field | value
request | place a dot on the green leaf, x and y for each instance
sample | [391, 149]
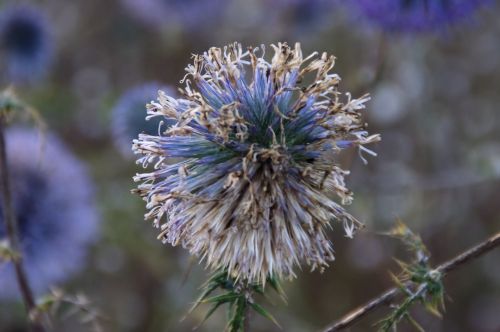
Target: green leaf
[222, 298]
[209, 313]
[237, 321]
[7, 253]
[414, 323]
[277, 287]
[258, 289]
[432, 308]
[203, 296]
[216, 278]
[45, 302]
[259, 309]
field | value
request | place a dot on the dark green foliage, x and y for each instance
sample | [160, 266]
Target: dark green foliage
[239, 297]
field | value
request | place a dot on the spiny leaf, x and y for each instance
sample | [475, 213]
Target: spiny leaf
[203, 296]
[259, 309]
[398, 282]
[277, 287]
[216, 278]
[209, 313]
[414, 323]
[258, 289]
[432, 308]
[418, 281]
[403, 265]
[45, 302]
[9, 101]
[410, 239]
[222, 298]
[237, 321]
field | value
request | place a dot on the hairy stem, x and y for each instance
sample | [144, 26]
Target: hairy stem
[389, 295]
[11, 229]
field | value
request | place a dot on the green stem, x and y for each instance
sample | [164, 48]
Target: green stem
[246, 322]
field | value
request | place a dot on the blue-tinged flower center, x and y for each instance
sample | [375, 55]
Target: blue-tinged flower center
[22, 36]
[33, 216]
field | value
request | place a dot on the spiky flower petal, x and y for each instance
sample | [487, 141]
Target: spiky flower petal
[255, 143]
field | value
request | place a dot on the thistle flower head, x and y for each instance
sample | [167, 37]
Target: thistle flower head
[128, 115]
[417, 15]
[56, 217]
[256, 139]
[25, 43]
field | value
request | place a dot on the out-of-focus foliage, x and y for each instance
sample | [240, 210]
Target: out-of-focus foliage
[434, 100]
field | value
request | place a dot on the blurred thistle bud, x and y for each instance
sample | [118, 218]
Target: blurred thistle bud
[57, 220]
[128, 116]
[25, 43]
[258, 141]
[417, 15]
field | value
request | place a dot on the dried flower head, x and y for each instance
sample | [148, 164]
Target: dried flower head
[25, 43]
[56, 215]
[128, 115]
[253, 191]
[417, 15]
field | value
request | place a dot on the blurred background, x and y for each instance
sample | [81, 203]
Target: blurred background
[435, 101]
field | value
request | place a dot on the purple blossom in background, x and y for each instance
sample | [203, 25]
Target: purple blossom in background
[128, 115]
[189, 14]
[25, 43]
[417, 15]
[57, 220]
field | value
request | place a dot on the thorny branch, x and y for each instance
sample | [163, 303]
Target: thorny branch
[389, 295]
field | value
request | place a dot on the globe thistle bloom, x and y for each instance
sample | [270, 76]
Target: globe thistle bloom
[417, 15]
[25, 43]
[253, 190]
[52, 198]
[128, 115]
[189, 14]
